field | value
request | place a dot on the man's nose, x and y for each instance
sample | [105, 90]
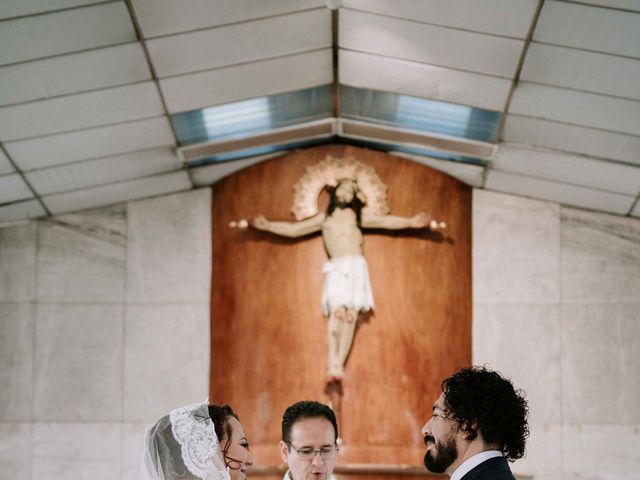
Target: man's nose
[426, 428]
[317, 458]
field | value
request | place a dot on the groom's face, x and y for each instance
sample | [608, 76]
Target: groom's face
[440, 438]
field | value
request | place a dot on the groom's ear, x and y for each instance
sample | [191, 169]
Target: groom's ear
[470, 430]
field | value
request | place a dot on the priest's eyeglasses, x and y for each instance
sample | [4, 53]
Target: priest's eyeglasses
[309, 453]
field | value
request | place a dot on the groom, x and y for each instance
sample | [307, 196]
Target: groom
[477, 424]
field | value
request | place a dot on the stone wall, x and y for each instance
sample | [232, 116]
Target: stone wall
[104, 326]
[557, 309]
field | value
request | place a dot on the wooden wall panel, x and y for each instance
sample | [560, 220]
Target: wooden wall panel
[268, 332]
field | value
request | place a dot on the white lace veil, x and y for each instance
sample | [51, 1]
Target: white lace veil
[183, 446]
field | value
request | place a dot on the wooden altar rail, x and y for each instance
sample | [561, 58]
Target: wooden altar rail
[353, 468]
[365, 469]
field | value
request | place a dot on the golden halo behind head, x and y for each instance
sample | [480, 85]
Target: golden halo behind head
[327, 173]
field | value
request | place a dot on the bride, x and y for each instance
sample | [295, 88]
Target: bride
[198, 441]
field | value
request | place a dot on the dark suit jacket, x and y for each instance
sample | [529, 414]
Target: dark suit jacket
[496, 468]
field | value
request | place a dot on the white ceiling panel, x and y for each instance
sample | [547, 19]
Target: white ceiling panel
[559, 192]
[210, 174]
[5, 165]
[67, 31]
[581, 70]
[21, 211]
[101, 171]
[251, 80]
[73, 73]
[510, 18]
[566, 168]
[424, 43]
[91, 143]
[19, 8]
[559, 136]
[164, 17]
[622, 4]
[12, 188]
[84, 121]
[469, 174]
[83, 110]
[241, 43]
[636, 210]
[589, 28]
[420, 80]
[118, 192]
[578, 108]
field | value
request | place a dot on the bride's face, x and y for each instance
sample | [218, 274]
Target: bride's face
[238, 457]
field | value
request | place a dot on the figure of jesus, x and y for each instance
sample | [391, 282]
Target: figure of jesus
[347, 289]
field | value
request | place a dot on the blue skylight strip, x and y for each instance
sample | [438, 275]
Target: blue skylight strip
[420, 114]
[256, 115]
[390, 147]
[255, 151]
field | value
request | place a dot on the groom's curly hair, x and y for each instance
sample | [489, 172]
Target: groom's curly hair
[481, 400]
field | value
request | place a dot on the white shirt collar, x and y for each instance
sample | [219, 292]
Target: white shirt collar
[472, 462]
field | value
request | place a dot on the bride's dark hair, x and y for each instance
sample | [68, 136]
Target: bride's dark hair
[220, 416]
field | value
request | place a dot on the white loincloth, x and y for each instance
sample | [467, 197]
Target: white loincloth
[346, 284]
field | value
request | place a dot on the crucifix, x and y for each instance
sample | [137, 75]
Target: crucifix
[358, 201]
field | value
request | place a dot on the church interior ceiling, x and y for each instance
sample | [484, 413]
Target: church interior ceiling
[107, 101]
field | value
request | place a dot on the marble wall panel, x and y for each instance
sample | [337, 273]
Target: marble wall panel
[78, 362]
[600, 259]
[600, 364]
[132, 448]
[523, 343]
[600, 452]
[515, 249]
[15, 450]
[16, 360]
[79, 451]
[169, 249]
[81, 256]
[18, 263]
[166, 358]
[543, 456]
